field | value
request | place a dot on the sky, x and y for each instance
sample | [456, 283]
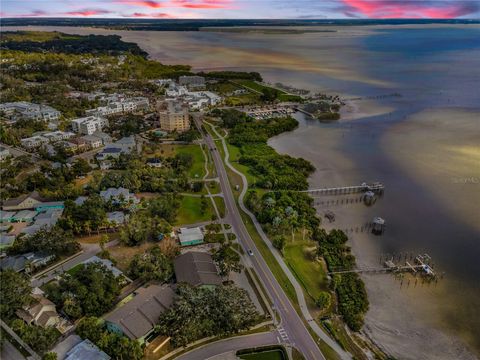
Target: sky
[243, 9]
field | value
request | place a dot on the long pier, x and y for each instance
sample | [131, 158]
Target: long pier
[375, 187]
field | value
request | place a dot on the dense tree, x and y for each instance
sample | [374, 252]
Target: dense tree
[201, 312]
[38, 338]
[93, 290]
[227, 259]
[117, 346]
[15, 292]
[137, 229]
[279, 242]
[152, 265]
[54, 241]
[324, 300]
[50, 356]
[350, 289]
[89, 216]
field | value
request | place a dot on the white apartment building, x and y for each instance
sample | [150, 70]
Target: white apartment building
[34, 142]
[88, 125]
[173, 116]
[58, 135]
[30, 111]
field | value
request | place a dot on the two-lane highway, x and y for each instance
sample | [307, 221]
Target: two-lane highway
[292, 328]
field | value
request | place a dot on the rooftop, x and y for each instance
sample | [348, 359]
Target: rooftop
[196, 268]
[137, 317]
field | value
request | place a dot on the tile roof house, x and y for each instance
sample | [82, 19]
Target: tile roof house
[136, 319]
[41, 312]
[197, 269]
[86, 350]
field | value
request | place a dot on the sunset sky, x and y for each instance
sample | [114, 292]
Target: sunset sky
[245, 9]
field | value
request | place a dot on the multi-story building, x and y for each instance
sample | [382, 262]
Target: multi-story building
[30, 111]
[173, 116]
[34, 142]
[88, 125]
[58, 135]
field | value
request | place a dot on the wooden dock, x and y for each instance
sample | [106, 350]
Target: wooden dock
[376, 187]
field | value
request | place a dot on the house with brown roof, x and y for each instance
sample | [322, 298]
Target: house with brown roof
[197, 269]
[23, 202]
[136, 318]
[41, 312]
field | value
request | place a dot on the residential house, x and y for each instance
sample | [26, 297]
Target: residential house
[105, 262]
[40, 312]
[28, 201]
[106, 139]
[190, 236]
[25, 262]
[6, 216]
[24, 216]
[136, 318]
[6, 240]
[118, 196]
[116, 217]
[86, 350]
[197, 269]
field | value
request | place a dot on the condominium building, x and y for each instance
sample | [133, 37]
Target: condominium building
[88, 125]
[173, 116]
[30, 111]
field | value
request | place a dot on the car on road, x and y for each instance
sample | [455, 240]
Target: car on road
[250, 252]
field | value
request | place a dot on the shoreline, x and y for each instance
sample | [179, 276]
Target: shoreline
[417, 335]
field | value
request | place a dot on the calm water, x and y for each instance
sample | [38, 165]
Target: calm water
[424, 146]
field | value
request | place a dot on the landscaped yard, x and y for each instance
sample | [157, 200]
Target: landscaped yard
[190, 211]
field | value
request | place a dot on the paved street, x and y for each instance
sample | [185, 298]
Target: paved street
[296, 332]
[231, 344]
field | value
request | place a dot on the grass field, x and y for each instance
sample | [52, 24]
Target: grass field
[309, 273]
[124, 254]
[190, 211]
[198, 168]
[169, 150]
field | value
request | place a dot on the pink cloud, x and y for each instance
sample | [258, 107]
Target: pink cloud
[383, 9]
[143, 3]
[87, 12]
[34, 13]
[202, 4]
[150, 15]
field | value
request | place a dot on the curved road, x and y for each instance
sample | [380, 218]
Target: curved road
[232, 344]
[292, 328]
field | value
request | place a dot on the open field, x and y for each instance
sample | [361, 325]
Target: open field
[190, 211]
[124, 254]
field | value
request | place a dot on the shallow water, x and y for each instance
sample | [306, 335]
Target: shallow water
[423, 145]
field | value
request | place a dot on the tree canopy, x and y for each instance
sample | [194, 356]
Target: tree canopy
[201, 312]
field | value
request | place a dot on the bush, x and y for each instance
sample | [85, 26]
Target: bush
[324, 300]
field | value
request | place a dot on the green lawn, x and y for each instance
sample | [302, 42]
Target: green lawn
[198, 168]
[265, 355]
[309, 273]
[220, 205]
[190, 211]
[281, 95]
